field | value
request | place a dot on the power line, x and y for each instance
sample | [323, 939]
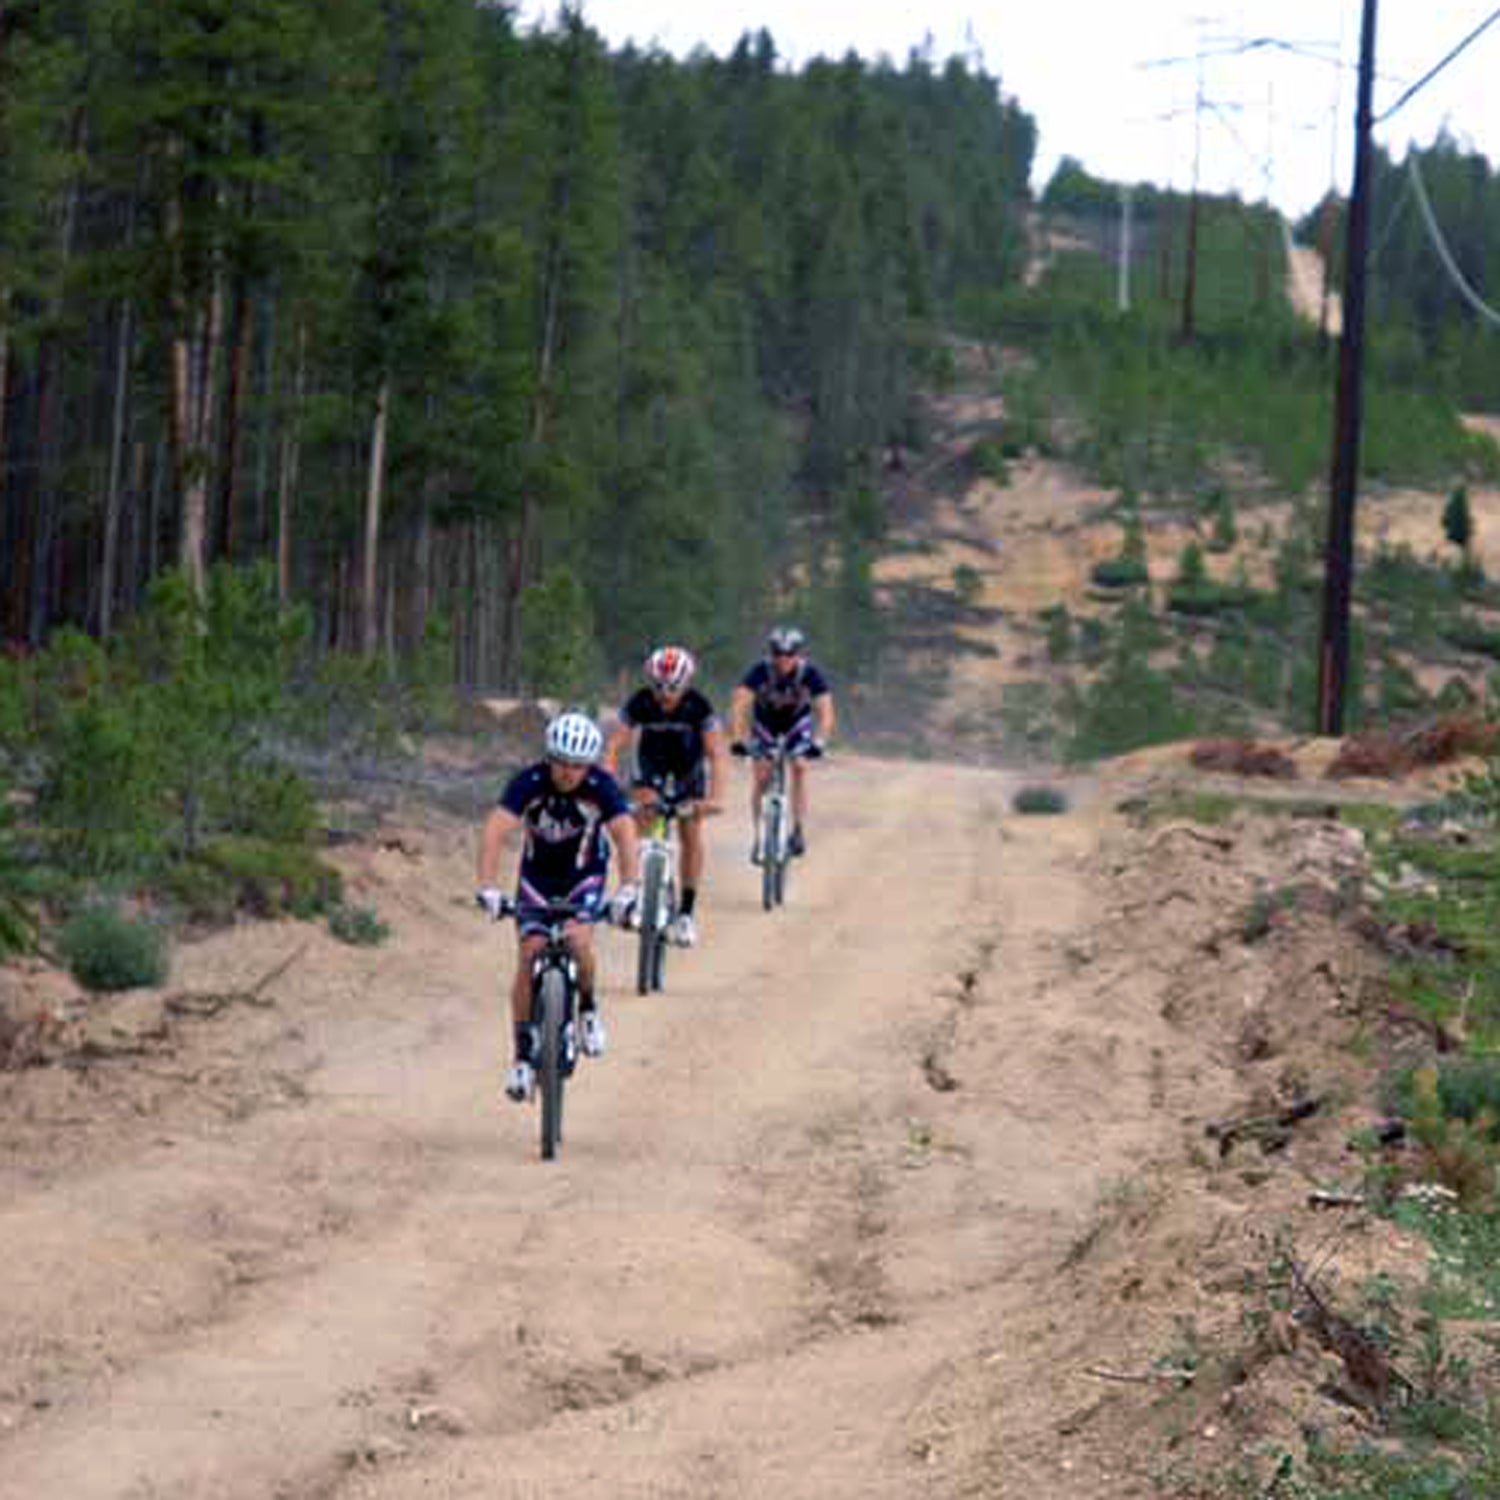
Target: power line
[1441, 246]
[1437, 68]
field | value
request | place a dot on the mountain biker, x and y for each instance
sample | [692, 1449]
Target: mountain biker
[783, 696]
[566, 804]
[677, 734]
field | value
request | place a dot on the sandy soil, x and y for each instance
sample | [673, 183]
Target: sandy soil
[903, 1190]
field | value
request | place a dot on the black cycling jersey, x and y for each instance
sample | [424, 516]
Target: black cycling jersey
[783, 701]
[565, 838]
[671, 739]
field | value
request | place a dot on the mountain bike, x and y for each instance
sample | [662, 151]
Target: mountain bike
[554, 1010]
[775, 832]
[657, 909]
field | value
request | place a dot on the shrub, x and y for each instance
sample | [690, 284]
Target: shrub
[968, 584]
[359, 925]
[265, 879]
[1120, 573]
[105, 950]
[1040, 799]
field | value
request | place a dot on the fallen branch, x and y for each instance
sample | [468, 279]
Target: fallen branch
[1327, 1198]
[205, 1003]
[1272, 1131]
[1171, 1373]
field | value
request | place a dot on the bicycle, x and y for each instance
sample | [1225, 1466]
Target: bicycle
[554, 1009]
[659, 893]
[773, 837]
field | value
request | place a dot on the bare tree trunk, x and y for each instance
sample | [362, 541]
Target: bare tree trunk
[231, 448]
[291, 453]
[195, 360]
[374, 498]
[115, 484]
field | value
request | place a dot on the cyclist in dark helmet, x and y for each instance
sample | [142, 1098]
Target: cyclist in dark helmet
[566, 805]
[784, 695]
[677, 734]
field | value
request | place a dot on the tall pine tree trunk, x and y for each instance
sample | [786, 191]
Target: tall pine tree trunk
[113, 490]
[291, 455]
[374, 498]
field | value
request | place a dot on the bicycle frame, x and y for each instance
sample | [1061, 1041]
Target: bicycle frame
[775, 824]
[659, 890]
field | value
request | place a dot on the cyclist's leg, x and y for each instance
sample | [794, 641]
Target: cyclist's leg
[643, 798]
[799, 737]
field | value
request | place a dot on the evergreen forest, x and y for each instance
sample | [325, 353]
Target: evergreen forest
[497, 349]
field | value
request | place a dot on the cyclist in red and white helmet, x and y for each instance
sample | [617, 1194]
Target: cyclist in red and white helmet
[570, 810]
[784, 696]
[677, 736]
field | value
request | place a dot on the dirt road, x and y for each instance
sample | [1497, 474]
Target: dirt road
[798, 1243]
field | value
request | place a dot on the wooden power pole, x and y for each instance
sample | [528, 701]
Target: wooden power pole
[1338, 575]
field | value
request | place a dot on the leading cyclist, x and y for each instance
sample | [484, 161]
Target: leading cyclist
[677, 734]
[787, 697]
[566, 804]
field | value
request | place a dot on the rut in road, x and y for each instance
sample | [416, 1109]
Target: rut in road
[814, 1187]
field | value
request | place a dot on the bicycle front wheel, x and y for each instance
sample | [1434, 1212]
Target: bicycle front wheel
[552, 1018]
[652, 917]
[771, 853]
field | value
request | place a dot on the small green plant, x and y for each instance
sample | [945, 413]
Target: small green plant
[1120, 573]
[1458, 519]
[358, 925]
[106, 950]
[968, 585]
[1040, 800]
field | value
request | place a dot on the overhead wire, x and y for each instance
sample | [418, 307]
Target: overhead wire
[1441, 246]
[1438, 67]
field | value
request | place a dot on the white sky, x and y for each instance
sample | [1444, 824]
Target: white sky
[1094, 74]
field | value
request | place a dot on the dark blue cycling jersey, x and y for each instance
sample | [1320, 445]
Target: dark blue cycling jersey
[671, 739]
[565, 839]
[783, 701]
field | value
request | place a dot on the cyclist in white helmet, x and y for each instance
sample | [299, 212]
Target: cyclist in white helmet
[565, 804]
[783, 696]
[677, 736]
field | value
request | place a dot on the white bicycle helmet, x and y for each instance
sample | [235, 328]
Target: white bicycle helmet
[785, 640]
[574, 738]
[671, 668]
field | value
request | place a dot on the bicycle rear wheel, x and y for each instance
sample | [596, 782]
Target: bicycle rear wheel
[552, 1017]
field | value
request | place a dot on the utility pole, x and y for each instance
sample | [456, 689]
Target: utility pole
[1333, 654]
[1190, 280]
[1124, 267]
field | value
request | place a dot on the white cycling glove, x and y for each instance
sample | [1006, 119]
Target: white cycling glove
[492, 899]
[622, 907]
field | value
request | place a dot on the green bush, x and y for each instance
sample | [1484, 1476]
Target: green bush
[359, 925]
[968, 584]
[105, 950]
[1119, 573]
[237, 874]
[1040, 800]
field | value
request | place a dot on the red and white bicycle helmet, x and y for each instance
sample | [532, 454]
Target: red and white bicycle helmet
[671, 668]
[575, 739]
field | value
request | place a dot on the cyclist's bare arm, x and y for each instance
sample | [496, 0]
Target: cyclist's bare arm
[498, 827]
[823, 708]
[718, 769]
[619, 738]
[739, 712]
[622, 834]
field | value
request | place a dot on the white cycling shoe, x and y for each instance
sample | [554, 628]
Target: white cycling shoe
[684, 931]
[520, 1081]
[595, 1038]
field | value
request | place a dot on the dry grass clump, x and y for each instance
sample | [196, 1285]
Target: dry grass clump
[1391, 753]
[1243, 758]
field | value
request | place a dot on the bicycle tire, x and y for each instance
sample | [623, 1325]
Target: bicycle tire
[659, 955]
[651, 921]
[552, 1017]
[770, 855]
[782, 864]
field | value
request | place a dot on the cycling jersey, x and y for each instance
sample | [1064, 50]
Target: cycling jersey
[784, 703]
[670, 742]
[566, 845]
